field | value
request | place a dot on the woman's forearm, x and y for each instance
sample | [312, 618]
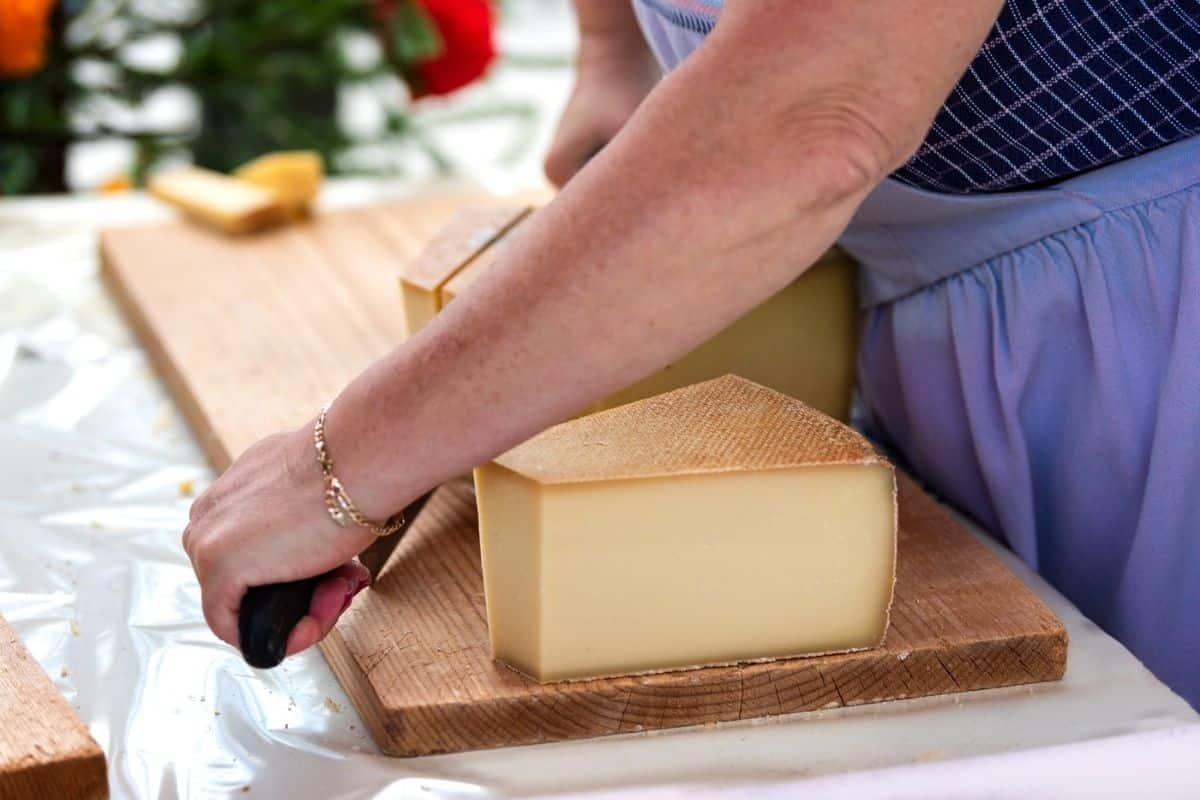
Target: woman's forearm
[738, 171]
[603, 21]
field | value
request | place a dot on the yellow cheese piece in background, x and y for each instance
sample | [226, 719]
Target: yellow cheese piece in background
[294, 176]
[802, 341]
[719, 523]
[227, 203]
[467, 233]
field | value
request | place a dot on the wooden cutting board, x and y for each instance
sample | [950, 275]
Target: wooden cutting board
[252, 335]
[46, 753]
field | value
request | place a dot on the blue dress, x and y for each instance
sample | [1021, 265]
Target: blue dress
[1031, 333]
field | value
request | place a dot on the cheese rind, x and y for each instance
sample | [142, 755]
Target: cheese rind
[728, 424]
[227, 203]
[515, 541]
[468, 233]
[293, 176]
[606, 563]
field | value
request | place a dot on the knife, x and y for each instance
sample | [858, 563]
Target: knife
[268, 613]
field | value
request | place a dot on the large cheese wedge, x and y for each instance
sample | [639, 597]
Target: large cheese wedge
[801, 341]
[229, 204]
[467, 233]
[294, 176]
[719, 523]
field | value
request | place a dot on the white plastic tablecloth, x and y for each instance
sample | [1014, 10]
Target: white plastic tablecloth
[96, 473]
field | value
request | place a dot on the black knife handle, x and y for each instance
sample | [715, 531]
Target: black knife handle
[268, 613]
[267, 616]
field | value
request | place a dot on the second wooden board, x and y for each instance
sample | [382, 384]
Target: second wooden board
[46, 753]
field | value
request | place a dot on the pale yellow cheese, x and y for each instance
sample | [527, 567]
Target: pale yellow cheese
[294, 176]
[227, 203]
[801, 341]
[719, 523]
[467, 233]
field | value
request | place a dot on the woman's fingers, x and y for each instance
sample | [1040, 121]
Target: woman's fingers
[263, 522]
[220, 605]
[331, 597]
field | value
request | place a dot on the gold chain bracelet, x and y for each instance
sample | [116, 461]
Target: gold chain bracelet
[337, 500]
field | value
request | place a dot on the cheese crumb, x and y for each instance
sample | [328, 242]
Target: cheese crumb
[186, 487]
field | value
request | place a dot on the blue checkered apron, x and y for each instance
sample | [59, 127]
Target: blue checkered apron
[1031, 304]
[1059, 87]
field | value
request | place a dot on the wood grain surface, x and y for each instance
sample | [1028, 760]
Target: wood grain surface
[413, 653]
[253, 335]
[46, 753]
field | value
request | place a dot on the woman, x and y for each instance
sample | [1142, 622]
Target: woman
[1022, 188]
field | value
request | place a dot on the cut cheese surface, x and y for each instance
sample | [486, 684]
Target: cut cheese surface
[720, 523]
[802, 341]
[227, 203]
[468, 233]
[293, 176]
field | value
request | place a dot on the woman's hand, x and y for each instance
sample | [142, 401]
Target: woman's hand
[264, 521]
[614, 75]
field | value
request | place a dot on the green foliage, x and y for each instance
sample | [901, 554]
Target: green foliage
[413, 36]
[33, 133]
[266, 77]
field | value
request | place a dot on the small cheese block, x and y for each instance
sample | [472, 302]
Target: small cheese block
[227, 203]
[466, 234]
[294, 176]
[720, 523]
[802, 341]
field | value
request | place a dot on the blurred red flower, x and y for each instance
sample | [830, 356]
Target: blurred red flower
[466, 48]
